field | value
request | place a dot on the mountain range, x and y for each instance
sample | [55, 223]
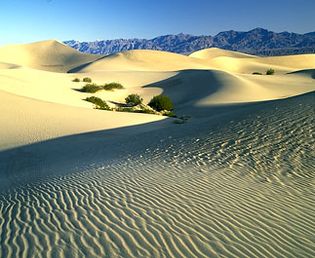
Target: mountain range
[258, 41]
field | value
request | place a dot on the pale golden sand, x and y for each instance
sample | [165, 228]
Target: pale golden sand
[236, 180]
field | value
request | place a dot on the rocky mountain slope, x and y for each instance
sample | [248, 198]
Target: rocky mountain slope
[257, 41]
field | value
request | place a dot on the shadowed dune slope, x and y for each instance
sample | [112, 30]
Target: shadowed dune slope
[205, 88]
[48, 55]
[309, 73]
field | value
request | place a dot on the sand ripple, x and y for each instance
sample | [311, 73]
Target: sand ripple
[241, 188]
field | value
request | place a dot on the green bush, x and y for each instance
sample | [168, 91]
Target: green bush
[76, 80]
[87, 79]
[98, 102]
[133, 99]
[112, 86]
[270, 71]
[125, 109]
[161, 102]
[257, 73]
[145, 111]
[91, 88]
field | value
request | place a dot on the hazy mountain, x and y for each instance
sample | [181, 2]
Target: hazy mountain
[257, 41]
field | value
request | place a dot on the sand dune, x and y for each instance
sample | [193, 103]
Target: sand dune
[222, 190]
[144, 60]
[211, 53]
[26, 121]
[211, 87]
[145, 72]
[235, 180]
[243, 63]
[309, 73]
[48, 55]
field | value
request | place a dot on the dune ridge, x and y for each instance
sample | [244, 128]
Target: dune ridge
[49, 55]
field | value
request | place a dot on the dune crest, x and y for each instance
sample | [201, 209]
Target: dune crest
[210, 53]
[49, 55]
[143, 60]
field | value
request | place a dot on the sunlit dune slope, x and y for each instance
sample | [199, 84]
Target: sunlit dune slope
[24, 121]
[210, 53]
[48, 55]
[243, 63]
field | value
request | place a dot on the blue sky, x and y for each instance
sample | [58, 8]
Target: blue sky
[24, 21]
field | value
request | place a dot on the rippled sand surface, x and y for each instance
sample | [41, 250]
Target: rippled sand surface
[243, 186]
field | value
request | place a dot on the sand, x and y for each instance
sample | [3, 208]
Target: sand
[234, 181]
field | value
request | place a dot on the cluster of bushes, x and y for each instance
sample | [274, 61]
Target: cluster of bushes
[93, 87]
[161, 102]
[85, 79]
[133, 100]
[268, 72]
[112, 86]
[98, 102]
[159, 105]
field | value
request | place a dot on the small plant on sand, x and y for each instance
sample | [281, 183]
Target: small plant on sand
[161, 102]
[87, 79]
[144, 110]
[76, 80]
[112, 86]
[270, 71]
[133, 99]
[256, 73]
[98, 102]
[90, 88]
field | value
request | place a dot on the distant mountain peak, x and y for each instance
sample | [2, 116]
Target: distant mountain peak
[258, 41]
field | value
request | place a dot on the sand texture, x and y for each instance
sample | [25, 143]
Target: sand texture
[235, 180]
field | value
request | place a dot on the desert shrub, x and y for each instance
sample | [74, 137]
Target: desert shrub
[257, 73]
[98, 102]
[76, 80]
[161, 102]
[145, 111]
[87, 79]
[270, 71]
[133, 99]
[112, 86]
[125, 109]
[91, 88]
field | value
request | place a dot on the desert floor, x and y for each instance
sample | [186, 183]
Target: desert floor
[235, 180]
